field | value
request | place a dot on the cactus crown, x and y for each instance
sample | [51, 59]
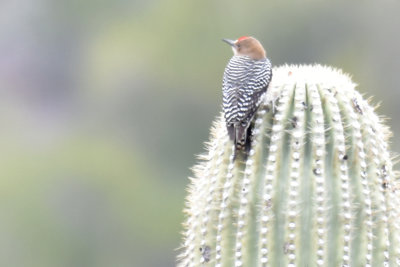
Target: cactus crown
[317, 188]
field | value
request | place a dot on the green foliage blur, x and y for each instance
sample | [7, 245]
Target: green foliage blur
[104, 105]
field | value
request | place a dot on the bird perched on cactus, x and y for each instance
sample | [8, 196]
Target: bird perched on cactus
[245, 82]
[317, 187]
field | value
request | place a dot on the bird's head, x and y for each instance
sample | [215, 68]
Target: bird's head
[247, 46]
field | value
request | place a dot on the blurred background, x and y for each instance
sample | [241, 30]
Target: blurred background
[104, 105]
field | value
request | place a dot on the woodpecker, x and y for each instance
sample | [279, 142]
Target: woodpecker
[244, 85]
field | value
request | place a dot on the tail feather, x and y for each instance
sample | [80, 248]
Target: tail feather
[241, 133]
[240, 136]
[231, 132]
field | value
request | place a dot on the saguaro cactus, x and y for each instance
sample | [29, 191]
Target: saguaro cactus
[317, 188]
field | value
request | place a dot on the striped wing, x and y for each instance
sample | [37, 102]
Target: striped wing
[244, 82]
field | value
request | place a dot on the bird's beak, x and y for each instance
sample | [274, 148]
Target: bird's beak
[229, 42]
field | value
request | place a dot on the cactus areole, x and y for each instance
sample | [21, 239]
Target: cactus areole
[316, 188]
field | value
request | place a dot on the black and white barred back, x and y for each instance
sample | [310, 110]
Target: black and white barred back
[245, 82]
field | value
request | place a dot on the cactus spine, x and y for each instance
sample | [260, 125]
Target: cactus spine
[317, 188]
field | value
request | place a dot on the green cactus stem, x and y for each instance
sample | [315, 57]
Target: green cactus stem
[316, 189]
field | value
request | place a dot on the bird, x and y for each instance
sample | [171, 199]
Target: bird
[245, 82]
